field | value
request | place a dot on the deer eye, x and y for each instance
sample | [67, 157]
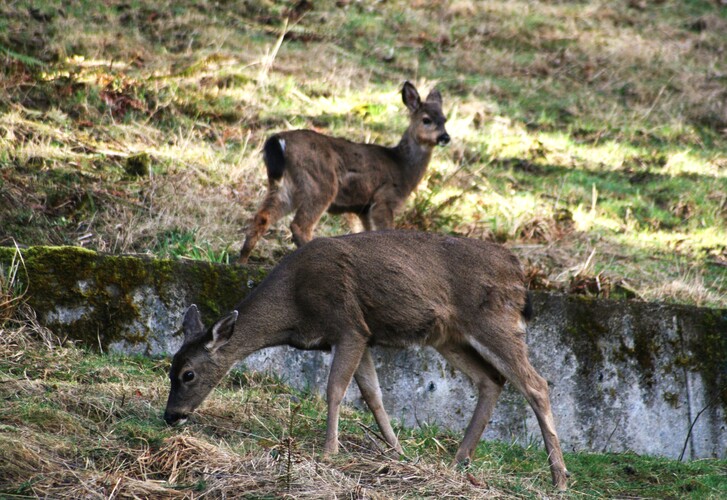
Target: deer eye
[188, 376]
[427, 120]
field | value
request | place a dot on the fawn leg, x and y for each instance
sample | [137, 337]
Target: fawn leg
[270, 211]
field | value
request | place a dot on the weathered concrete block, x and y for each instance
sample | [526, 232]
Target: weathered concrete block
[123, 302]
[649, 378]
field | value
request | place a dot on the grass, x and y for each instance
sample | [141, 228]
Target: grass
[576, 126]
[75, 423]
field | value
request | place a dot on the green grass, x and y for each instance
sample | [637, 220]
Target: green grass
[68, 410]
[576, 126]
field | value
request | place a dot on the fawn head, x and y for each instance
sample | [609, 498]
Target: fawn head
[198, 365]
[427, 119]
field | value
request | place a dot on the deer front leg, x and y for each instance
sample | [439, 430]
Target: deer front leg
[368, 383]
[347, 355]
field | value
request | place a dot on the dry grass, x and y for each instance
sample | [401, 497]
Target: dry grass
[11, 290]
[76, 425]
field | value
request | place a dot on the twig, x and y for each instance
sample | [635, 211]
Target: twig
[378, 435]
[694, 422]
[270, 58]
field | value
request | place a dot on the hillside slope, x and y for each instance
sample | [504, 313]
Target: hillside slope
[590, 137]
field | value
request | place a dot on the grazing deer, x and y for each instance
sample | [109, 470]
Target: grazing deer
[466, 298]
[311, 173]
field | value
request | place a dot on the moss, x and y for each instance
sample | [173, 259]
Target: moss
[647, 341]
[61, 280]
[138, 165]
[672, 398]
[710, 352]
[584, 330]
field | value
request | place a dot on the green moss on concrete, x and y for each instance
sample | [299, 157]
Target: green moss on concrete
[699, 345]
[67, 279]
[584, 330]
[710, 353]
[648, 342]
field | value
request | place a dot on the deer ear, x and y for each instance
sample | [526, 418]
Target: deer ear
[192, 324]
[410, 96]
[435, 97]
[222, 331]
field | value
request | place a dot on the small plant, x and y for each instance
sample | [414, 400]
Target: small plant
[12, 289]
[178, 244]
[425, 213]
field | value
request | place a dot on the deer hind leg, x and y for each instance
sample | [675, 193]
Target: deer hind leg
[368, 382]
[489, 385]
[511, 359]
[381, 216]
[270, 211]
[347, 355]
[305, 220]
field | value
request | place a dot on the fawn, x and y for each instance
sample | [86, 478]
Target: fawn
[311, 173]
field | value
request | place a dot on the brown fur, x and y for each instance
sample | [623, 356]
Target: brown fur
[466, 298]
[311, 173]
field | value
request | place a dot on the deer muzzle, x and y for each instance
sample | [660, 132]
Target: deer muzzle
[174, 418]
[443, 139]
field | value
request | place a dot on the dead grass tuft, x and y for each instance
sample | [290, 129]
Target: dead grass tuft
[22, 459]
[188, 459]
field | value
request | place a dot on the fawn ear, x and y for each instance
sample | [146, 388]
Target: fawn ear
[410, 96]
[222, 331]
[192, 324]
[435, 97]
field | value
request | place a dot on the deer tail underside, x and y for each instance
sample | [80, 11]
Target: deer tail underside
[274, 157]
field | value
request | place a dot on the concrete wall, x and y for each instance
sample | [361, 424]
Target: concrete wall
[623, 375]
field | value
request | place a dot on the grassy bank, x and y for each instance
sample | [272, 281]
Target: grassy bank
[589, 137]
[80, 424]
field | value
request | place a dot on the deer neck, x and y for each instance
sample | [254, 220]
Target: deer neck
[263, 320]
[413, 158]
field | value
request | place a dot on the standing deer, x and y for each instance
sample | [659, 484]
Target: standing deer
[466, 298]
[311, 173]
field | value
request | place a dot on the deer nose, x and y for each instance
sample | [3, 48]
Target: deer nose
[172, 418]
[443, 139]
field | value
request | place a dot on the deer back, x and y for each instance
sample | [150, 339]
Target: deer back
[403, 287]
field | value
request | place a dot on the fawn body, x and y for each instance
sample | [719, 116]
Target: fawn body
[465, 298]
[311, 173]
